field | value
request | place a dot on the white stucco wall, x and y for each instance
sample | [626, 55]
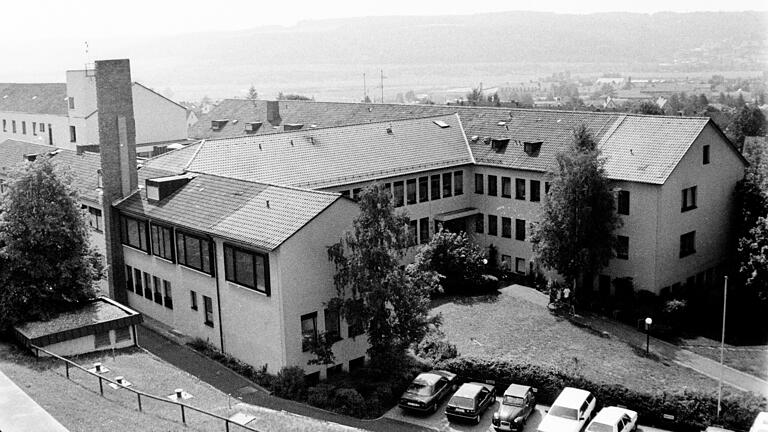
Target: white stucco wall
[157, 118]
[86, 344]
[59, 124]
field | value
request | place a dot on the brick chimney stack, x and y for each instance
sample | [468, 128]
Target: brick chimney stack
[117, 145]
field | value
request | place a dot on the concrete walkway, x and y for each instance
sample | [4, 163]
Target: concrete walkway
[681, 356]
[19, 413]
[169, 346]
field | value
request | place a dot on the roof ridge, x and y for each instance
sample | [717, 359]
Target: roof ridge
[194, 155]
[264, 183]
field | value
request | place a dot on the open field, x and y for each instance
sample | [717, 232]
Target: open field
[516, 325]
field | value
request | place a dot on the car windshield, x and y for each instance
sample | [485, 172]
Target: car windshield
[420, 388]
[600, 427]
[462, 402]
[513, 400]
[566, 413]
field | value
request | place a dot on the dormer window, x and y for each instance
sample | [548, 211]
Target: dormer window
[532, 148]
[218, 125]
[292, 126]
[252, 127]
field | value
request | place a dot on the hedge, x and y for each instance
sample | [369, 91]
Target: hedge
[692, 410]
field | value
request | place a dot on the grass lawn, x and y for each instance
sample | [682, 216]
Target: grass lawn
[77, 405]
[516, 325]
[750, 359]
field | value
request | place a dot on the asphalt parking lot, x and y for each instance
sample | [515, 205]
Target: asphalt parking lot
[438, 421]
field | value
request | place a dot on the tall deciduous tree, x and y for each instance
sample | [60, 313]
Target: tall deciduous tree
[47, 263]
[647, 107]
[754, 266]
[375, 292]
[749, 121]
[575, 233]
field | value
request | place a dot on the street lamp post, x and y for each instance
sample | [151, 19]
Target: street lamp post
[648, 322]
[722, 347]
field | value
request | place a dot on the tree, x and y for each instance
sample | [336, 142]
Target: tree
[47, 261]
[252, 93]
[292, 96]
[755, 268]
[458, 261]
[647, 107]
[749, 121]
[374, 291]
[475, 96]
[575, 233]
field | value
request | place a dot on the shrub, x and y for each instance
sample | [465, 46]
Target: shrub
[435, 347]
[456, 258]
[289, 383]
[321, 396]
[692, 410]
[350, 402]
[257, 375]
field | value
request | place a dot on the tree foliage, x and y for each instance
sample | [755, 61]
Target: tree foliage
[647, 107]
[749, 121]
[252, 93]
[390, 302]
[458, 261]
[292, 96]
[47, 261]
[575, 233]
[754, 265]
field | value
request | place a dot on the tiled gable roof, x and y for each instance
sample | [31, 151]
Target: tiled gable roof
[84, 167]
[34, 98]
[175, 160]
[258, 214]
[326, 157]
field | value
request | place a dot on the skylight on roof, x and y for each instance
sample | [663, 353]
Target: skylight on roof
[441, 123]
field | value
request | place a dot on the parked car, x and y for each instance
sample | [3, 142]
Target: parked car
[470, 401]
[761, 423]
[427, 391]
[570, 413]
[614, 419]
[516, 406]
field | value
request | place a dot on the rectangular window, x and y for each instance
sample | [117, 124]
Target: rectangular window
[42, 127]
[356, 193]
[413, 231]
[410, 186]
[13, 126]
[137, 280]
[193, 300]
[423, 189]
[24, 127]
[122, 334]
[354, 328]
[424, 230]
[194, 252]
[345, 193]
[519, 189]
[458, 183]
[102, 340]
[535, 191]
[72, 134]
[520, 229]
[388, 188]
[506, 227]
[129, 278]
[506, 263]
[546, 188]
[479, 184]
[705, 155]
[506, 187]
[493, 225]
[162, 241]
[247, 268]
[520, 265]
[399, 193]
[688, 244]
[71, 101]
[492, 191]
[479, 223]
[689, 199]
[148, 285]
[447, 185]
[434, 185]
[34, 128]
[95, 219]
[308, 331]
[134, 233]
[332, 325]
[158, 288]
[208, 308]
[5, 126]
[622, 247]
[622, 206]
[168, 295]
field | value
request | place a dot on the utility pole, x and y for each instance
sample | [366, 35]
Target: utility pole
[722, 347]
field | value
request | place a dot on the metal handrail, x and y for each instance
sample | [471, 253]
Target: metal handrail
[139, 393]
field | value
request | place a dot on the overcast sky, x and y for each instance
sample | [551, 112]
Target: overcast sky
[44, 19]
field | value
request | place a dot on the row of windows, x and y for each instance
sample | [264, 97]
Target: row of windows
[506, 264]
[241, 266]
[36, 127]
[687, 245]
[151, 287]
[506, 187]
[309, 333]
[421, 189]
[506, 226]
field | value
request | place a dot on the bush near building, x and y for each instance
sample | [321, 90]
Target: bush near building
[692, 410]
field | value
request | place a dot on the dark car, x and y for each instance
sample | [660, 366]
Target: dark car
[517, 405]
[470, 401]
[427, 391]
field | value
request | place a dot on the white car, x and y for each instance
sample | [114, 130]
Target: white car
[570, 413]
[614, 419]
[761, 423]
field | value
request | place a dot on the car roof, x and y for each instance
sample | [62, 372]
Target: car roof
[428, 378]
[516, 390]
[571, 397]
[469, 390]
[611, 415]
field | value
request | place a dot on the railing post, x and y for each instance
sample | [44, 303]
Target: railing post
[67, 366]
[226, 425]
[183, 417]
[101, 387]
[138, 396]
